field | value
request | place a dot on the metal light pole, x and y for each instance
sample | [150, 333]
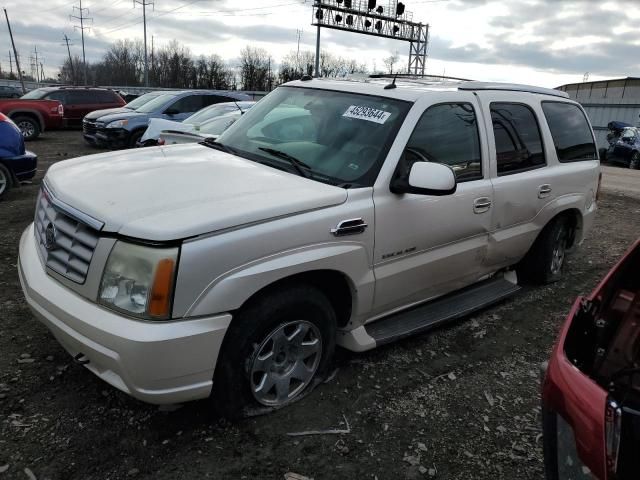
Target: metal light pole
[317, 69]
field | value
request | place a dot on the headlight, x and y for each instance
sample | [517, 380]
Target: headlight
[117, 124]
[139, 280]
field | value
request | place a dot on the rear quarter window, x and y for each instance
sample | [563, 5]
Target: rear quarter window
[572, 136]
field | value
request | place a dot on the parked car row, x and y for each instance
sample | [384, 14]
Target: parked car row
[122, 129]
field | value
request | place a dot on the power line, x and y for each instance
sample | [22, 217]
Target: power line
[82, 17]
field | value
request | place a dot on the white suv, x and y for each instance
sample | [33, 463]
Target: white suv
[333, 212]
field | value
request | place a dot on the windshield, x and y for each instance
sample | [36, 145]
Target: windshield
[628, 133]
[342, 137]
[210, 112]
[143, 99]
[219, 124]
[156, 103]
[36, 94]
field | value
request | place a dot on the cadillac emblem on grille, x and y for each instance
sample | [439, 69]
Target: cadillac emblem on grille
[50, 236]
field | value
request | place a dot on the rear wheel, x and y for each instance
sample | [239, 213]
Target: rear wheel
[29, 126]
[545, 261]
[5, 180]
[274, 350]
[634, 163]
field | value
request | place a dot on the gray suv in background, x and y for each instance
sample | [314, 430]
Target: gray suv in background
[124, 129]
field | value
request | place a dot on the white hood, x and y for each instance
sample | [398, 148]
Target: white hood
[167, 193]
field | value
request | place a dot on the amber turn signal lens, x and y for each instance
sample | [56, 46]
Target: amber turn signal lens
[160, 297]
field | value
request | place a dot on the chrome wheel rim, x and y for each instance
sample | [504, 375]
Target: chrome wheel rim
[26, 128]
[635, 159]
[4, 181]
[284, 364]
[559, 253]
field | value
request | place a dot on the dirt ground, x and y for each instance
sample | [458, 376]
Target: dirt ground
[461, 402]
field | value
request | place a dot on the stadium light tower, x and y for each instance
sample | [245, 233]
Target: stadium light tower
[370, 17]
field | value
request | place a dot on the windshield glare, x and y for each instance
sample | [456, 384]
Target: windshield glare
[142, 100]
[156, 103]
[210, 112]
[343, 137]
[36, 94]
[218, 125]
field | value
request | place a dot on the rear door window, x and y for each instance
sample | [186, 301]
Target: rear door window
[81, 97]
[447, 134]
[517, 135]
[572, 136]
[191, 103]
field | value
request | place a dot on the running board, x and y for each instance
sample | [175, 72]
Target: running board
[444, 309]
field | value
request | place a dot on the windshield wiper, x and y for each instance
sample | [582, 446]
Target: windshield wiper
[211, 142]
[299, 165]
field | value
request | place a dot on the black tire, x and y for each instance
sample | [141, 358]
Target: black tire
[544, 263]
[232, 393]
[29, 126]
[134, 137]
[634, 163]
[6, 181]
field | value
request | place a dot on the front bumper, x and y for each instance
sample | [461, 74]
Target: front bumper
[24, 167]
[157, 362]
[105, 137]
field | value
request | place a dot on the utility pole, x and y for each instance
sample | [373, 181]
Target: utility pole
[153, 68]
[15, 53]
[42, 71]
[82, 17]
[299, 33]
[317, 72]
[73, 74]
[37, 75]
[144, 4]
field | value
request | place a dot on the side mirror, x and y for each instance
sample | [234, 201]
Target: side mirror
[171, 111]
[427, 178]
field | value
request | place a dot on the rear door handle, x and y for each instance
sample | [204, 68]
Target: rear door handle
[481, 205]
[544, 190]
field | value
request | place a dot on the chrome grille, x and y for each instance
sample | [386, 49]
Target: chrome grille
[66, 245]
[89, 128]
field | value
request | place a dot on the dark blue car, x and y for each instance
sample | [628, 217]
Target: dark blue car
[16, 163]
[625, 149]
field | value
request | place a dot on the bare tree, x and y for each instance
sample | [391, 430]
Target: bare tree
[255, 68]
[390, 61]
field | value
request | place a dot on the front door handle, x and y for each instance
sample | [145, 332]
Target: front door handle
[544, 190]
[481, 205]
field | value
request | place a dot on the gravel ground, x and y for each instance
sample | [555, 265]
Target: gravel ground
[461, 402]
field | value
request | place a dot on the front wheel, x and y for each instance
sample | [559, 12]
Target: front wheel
[5, 180]
[634, 163]
[545, 261]
[274, 351]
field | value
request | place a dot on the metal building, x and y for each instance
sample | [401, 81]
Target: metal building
[606, 101]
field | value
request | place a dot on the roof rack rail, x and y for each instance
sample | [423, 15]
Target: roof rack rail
[413, 76]
[513, 87]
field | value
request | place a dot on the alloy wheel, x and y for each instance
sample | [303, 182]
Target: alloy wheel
[559, 252]
[26, 128]
[284, 364]
[4, 182]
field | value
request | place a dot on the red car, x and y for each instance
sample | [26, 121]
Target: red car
[78, 101]
[591, 390]
[33, 116]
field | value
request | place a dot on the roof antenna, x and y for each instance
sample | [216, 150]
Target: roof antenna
[392, 85]
[241, 111]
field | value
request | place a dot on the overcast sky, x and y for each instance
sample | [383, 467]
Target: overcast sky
[541, 42]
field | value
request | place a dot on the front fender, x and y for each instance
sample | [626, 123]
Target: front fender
[230, 290]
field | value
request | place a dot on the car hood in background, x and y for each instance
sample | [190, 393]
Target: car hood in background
[157, 125]
[168, 193]
[126, 114]
[107, 111]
